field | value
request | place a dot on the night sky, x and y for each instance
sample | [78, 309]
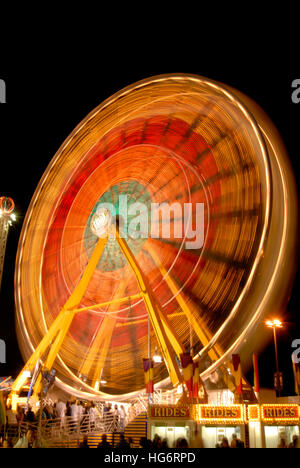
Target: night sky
[44, 106]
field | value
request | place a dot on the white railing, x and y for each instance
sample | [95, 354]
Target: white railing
[67, 428]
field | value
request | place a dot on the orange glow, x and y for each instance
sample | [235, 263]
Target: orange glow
[274, 323]
[168, 139]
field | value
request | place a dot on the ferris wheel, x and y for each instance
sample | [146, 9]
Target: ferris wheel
[103, 280]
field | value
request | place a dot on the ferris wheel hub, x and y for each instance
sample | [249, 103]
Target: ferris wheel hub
[101, 222]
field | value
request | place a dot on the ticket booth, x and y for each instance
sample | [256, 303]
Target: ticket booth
[269, 424]
[218, 422]
[170, 422]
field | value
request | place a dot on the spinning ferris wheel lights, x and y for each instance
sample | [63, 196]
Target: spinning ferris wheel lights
[168, 139]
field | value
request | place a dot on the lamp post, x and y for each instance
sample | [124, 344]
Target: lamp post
[7, 217]
[278, 382]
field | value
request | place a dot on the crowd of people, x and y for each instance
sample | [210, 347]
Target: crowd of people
[77, 410]
[117, 416]
[237, 443]
[70, 416]
[157, 444]
[74, 409]
[295, 443]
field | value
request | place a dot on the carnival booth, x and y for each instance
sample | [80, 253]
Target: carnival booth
[171, 423]
[269, 424]
[217, 422]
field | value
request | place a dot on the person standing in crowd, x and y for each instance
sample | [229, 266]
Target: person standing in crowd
[122, 415]
[295, 442]
[74, 415]
[131, 443]
[104, 444]
[105, 410]
[29, 415]
[116, 416]
[123, 444]
[85, 419]
[68, 408]
[84, 443]
[55, 415]
[224, 443]
[20, 415]
[50, 412]
[157, 442]
[61, 410]
[43, 415]
[145, 443]
[183, 443]
[12, 421]
[164, 444]
[108, 416]
[131, 412]
[233, 441]
[93, 414]
[31, 437]
[236, 442]
[80, 410]
[282, 443]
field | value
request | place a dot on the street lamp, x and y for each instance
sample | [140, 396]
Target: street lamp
[278, 381]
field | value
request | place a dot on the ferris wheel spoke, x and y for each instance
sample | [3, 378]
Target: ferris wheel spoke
[98, 351]
[195, 322]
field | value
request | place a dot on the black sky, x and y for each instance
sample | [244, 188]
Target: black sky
[43, 107]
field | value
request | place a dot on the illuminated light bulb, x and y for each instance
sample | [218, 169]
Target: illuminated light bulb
[274, 323]
[157, 357]
[101, 222]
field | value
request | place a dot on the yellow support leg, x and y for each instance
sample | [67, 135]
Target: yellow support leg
[200, 329]
[107, 326]
[167, 341]
[54, 348]
[59, 328]
[103, 354]
[102, 340]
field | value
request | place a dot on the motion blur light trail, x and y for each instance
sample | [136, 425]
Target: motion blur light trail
[167, 139]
